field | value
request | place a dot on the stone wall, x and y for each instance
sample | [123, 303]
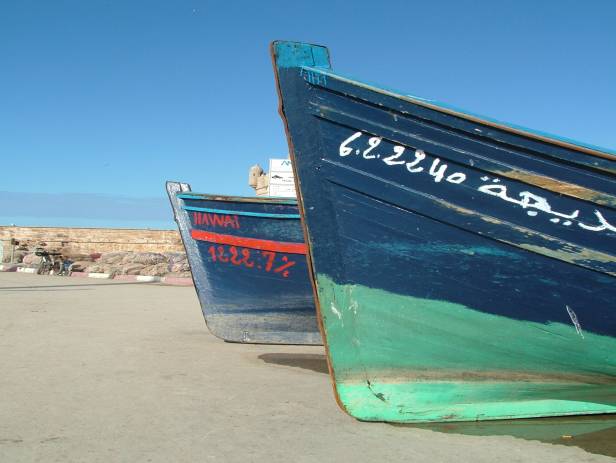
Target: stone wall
[93, 240]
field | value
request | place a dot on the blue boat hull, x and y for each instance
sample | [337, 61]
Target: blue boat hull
[464, 269]
[247, 257]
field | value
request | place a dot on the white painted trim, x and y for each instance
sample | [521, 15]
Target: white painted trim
[147, 278]
[102, 276]
[26, 270]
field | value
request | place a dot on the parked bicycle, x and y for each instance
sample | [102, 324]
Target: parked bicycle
[52, 263]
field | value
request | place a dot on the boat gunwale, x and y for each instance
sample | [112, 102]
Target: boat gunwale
[484, 120]
[238, 199]
[242, 213]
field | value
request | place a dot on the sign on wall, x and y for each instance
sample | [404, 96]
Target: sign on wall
[281, 181]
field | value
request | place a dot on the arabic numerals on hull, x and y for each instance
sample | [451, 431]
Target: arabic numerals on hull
[415, 162]
[372, 148]
[260, 260]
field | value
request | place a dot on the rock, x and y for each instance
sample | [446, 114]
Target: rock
[174, 257]
[80, 265]
[178, 262]
[112, 258]
[112, 270]
[96, 268]
[149, 258]
[31, 260]
[129, 258]
[131, 269]
[181, 266]
[157, 270]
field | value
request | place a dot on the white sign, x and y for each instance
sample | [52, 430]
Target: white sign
[281, 181]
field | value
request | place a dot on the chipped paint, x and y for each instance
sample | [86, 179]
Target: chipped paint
[336, 312]
[565, 251]
[394, 191]
[486, 121]
[421, 360]
[574, 320]
[560, 187]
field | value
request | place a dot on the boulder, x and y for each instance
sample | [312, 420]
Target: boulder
[112, 270]
[178, 262]
[174, 257]
[149, 258]
[131, 269]
[129, 258]
[31, 260]
[96, 268]
[181, 266]
[80, 265]
[112, 258]
[157, 270]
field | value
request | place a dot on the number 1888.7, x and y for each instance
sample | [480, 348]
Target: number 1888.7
[242, 257]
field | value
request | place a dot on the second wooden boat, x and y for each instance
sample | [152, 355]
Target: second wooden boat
[465, 268]
[248, 262]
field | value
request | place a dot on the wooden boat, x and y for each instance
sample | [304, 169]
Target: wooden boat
[248, 262]
[465, 268]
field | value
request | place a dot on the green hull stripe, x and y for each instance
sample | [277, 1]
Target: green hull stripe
[406, 359]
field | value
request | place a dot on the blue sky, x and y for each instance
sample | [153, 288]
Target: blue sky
[102, 101]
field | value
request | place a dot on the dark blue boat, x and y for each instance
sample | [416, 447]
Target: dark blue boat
[465, 268]
[248, 263]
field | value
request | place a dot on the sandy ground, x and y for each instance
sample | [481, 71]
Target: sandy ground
[104, 371]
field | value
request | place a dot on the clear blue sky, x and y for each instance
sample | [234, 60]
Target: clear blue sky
[102, 101]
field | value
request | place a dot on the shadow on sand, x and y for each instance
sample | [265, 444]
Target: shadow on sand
[595, 434]
[313, 362]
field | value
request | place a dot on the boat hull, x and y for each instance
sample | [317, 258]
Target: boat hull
[247, 258]
[464, 270]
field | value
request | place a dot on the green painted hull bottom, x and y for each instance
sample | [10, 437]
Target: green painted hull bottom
[404, 359]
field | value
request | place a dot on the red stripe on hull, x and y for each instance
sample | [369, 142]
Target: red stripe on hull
[265, 245]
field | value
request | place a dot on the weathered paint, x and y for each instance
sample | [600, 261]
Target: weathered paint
[436, 363]
[244, 213]
[249, 266]
[295, 54]
[446, 108]
[238, 199]
[252, 243]
[548, 183]
[464, 268]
